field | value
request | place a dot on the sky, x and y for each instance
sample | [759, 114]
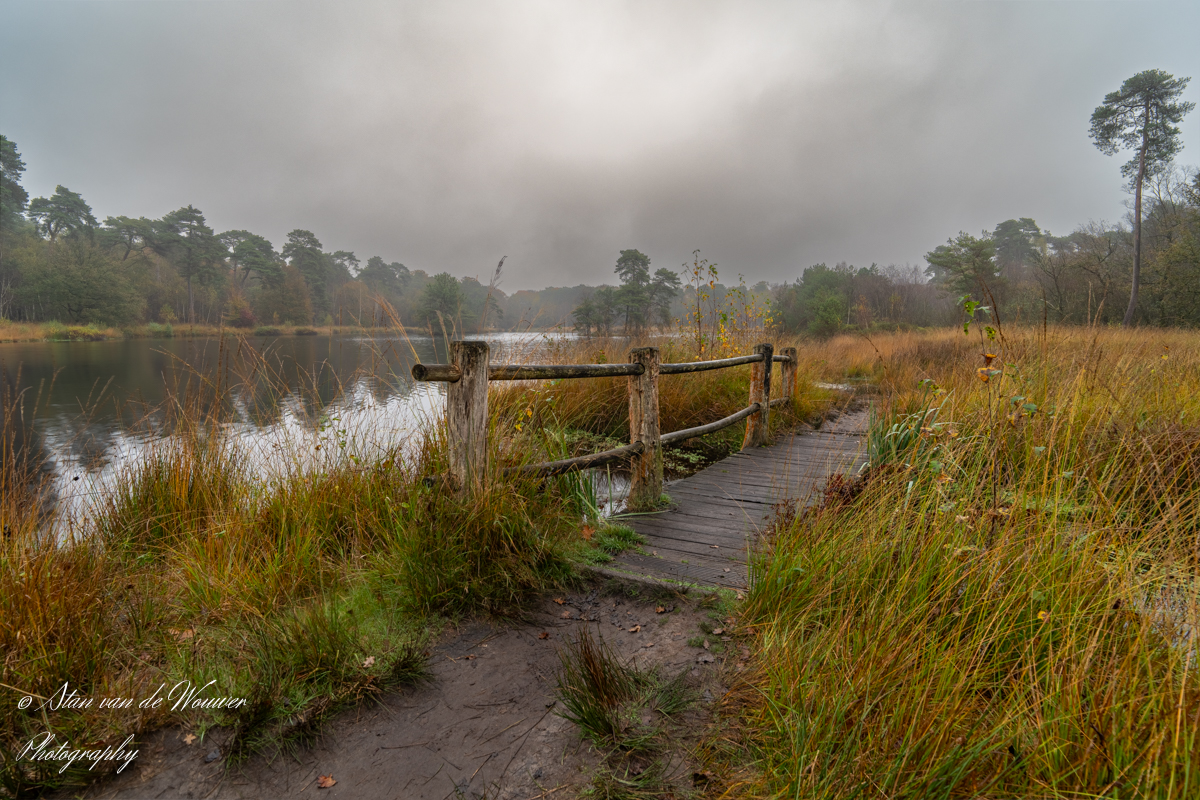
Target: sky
[768, 135]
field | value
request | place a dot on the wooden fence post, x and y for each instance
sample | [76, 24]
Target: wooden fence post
[757, 424]
[467, 416]
[645, 486]
[789, 373]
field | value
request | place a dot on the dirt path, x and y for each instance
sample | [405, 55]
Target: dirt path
[485, 724]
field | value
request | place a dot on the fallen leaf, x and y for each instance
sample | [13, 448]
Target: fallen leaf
[660, 609]
[559, 600]
[369, 662]
[718, 631]
[189, 739]
[648, 644]
[715, 546]
[635, 629]
[183, 635]
[544, 635]
[471, 657]
[587, 532]
[726, 569]
[566, 615]
[325, 781]
[706, 644]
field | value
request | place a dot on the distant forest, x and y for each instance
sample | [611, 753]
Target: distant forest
[59, 263]
[1022, 273]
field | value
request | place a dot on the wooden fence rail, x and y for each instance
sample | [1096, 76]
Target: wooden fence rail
[469, 372]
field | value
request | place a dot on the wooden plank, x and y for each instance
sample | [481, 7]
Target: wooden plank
[677, 551]
[776, 470]
[820, 457]
[699, 496]
[793, 465]
[693, 531]
[734, 519]
[692, 538]
[744, 490]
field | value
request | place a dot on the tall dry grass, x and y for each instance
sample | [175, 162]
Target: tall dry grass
[600, 406]
[299, 592]
[1007, 607]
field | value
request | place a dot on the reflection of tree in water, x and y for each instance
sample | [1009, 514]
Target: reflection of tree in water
[27, 492]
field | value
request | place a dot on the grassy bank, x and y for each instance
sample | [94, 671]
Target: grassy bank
[296, 595]
[1003, 607]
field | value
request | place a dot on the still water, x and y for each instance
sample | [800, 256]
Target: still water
[293, 403]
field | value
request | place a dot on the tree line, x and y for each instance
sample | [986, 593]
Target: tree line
[58, 262]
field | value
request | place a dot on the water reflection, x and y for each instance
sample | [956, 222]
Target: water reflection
[287, 403]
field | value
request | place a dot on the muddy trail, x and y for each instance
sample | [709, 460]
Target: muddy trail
[488, 720]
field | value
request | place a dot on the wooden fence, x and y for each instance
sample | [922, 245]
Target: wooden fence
[469, 372]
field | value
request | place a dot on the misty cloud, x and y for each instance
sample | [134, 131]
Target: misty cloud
[771, 135]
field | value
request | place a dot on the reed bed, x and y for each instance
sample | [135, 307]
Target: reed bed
[1004, 605]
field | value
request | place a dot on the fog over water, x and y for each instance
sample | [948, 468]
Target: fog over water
[444, 135]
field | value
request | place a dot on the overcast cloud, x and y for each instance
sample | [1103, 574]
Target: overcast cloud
[444, 135]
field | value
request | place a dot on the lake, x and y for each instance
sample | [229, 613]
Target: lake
[96, 407]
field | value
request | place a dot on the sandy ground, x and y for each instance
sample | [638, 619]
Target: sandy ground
[484, 725]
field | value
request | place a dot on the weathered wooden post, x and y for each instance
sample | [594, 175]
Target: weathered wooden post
[645, 486]
[757, 424]
[467, 415]
[789, 373]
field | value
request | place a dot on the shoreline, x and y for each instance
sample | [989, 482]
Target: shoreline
[16, 332]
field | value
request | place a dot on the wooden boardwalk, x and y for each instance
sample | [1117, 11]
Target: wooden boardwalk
[718, 512]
